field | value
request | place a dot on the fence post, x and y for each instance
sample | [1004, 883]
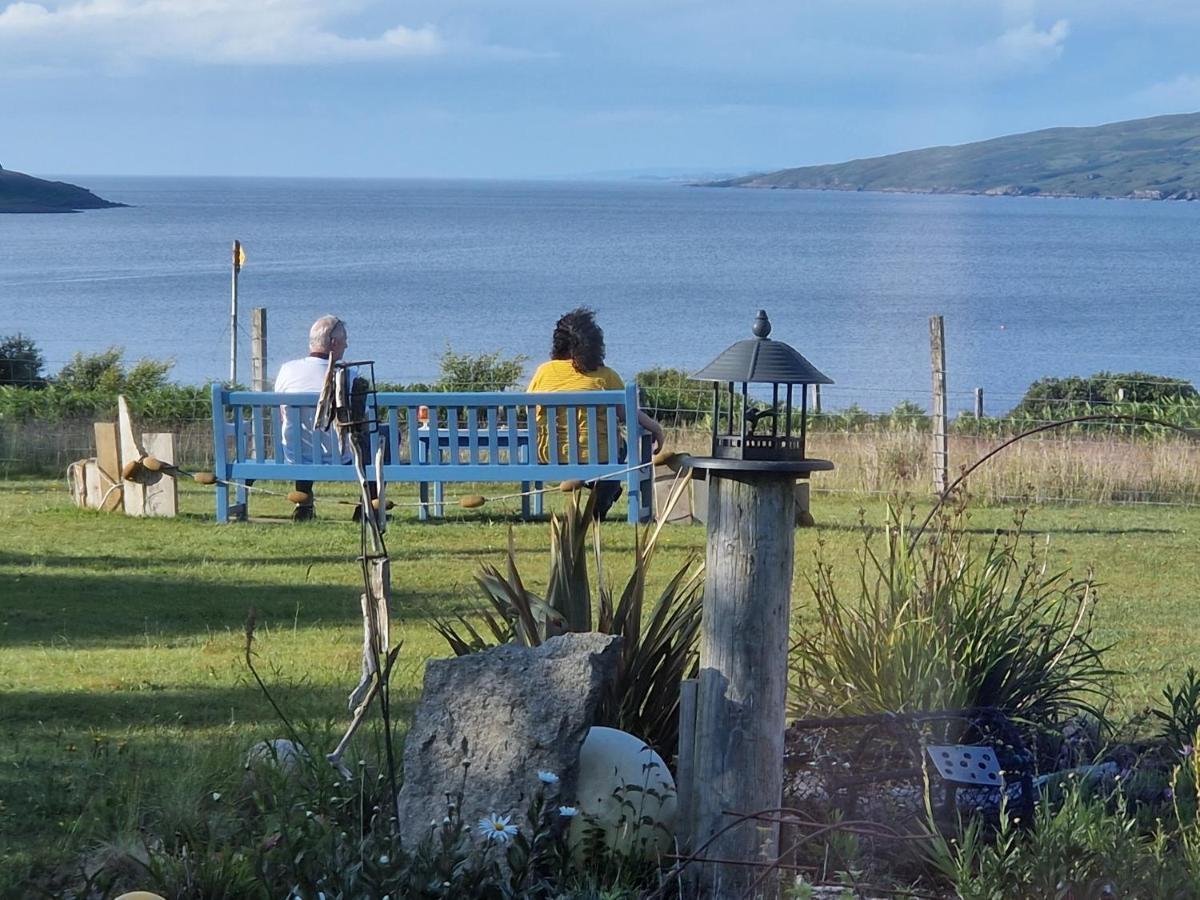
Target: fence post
[941, 450]
[978, 403]
[816, 399]
[258, 349]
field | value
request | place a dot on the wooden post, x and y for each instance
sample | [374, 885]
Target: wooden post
[743, 673]
[816, 399]
[258, 349]
[978, 403]
[685, 763]
[941, 449]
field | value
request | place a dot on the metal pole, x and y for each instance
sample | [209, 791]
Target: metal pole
[233, 313]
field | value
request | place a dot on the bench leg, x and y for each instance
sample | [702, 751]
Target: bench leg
[525, 498]
[439, 500]
[222, 503]
[539, 504]
[423, 510]
[243, 500]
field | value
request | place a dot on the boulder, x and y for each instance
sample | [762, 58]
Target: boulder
[487, 723]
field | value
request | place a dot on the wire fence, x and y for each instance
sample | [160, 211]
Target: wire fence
[874, 452]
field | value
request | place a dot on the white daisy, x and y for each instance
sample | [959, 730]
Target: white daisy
[497, 828]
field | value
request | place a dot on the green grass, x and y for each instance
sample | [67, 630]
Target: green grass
[126, 704]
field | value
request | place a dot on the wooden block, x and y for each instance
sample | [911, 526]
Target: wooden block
[664, 481]
[108, 450]
[77, 480]
[134, 494]
[162, 496]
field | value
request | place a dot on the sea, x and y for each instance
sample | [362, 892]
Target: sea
[1027, 287]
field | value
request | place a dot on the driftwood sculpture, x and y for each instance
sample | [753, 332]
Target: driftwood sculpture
[342, 406]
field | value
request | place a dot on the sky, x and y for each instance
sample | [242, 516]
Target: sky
[549, 88]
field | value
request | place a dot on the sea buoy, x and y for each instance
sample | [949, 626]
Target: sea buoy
[299, 497]
[154, 464]
[472, 501]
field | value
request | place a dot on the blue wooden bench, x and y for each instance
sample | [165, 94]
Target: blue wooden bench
[467, 437]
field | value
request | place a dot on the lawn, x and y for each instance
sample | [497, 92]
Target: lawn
[127, 703]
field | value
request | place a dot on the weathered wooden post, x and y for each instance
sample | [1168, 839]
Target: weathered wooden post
[737, 765]
[941, 446]
[258, 349]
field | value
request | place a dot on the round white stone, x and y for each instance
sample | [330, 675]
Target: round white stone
[627, 791]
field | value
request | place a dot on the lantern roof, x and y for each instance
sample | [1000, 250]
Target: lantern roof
[760, 360]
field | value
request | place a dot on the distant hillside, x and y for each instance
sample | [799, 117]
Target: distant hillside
[21, 193]
[1153, 159]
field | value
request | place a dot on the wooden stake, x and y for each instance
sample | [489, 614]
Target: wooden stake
[258, 349]
[941, 448]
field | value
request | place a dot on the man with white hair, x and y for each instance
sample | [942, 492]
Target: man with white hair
[327, 341]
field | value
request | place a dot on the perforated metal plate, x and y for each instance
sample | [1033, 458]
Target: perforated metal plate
[967, 765]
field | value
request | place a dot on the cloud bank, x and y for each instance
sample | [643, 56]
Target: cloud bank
[128, 33]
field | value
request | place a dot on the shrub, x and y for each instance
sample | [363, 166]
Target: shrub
[1061, 398]
[20, 362]
[106, 373]
[946, 625]
[480, 371]
[673, 398]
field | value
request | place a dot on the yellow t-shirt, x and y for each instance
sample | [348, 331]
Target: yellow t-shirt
[561, 375]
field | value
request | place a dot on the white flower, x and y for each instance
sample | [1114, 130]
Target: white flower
[497, 828]
[384, 860]
[216, 796]
[547, 777]
[567, 811]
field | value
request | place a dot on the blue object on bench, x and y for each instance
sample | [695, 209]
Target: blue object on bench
[480, 437]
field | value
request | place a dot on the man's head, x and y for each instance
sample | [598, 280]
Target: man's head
[328, 335]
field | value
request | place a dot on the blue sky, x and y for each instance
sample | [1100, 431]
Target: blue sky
[481, 88]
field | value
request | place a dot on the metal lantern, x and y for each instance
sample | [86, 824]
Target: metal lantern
[742, 431]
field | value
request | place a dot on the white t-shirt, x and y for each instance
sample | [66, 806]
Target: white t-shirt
[308, 375]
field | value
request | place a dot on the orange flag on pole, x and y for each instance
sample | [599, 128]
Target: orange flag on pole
[239, 256]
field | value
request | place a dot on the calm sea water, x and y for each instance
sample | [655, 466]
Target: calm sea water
[1028, 287]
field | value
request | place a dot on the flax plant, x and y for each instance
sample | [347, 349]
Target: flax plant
[659, 638]
[948, 624]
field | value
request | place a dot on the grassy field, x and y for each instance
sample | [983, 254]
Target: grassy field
[126, 702]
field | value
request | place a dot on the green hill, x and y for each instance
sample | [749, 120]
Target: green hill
[20, 193]
[1153, 159]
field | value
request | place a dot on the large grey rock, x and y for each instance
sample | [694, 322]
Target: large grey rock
[489, 722]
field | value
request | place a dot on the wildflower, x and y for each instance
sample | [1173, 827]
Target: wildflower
[567, 811]
[384, 860]
[547, 777]
[497, 828]
[1185, 751]
[216, 796]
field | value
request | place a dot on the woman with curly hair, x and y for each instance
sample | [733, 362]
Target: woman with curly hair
[577, 364]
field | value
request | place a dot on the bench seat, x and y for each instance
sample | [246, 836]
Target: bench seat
[479, 437]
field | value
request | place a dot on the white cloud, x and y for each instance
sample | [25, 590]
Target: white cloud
[1027, 47]
[1178, 95]
[128, 33]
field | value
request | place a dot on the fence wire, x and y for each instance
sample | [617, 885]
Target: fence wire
[884, 451]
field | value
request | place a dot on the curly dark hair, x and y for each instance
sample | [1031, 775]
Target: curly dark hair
[578, 338]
